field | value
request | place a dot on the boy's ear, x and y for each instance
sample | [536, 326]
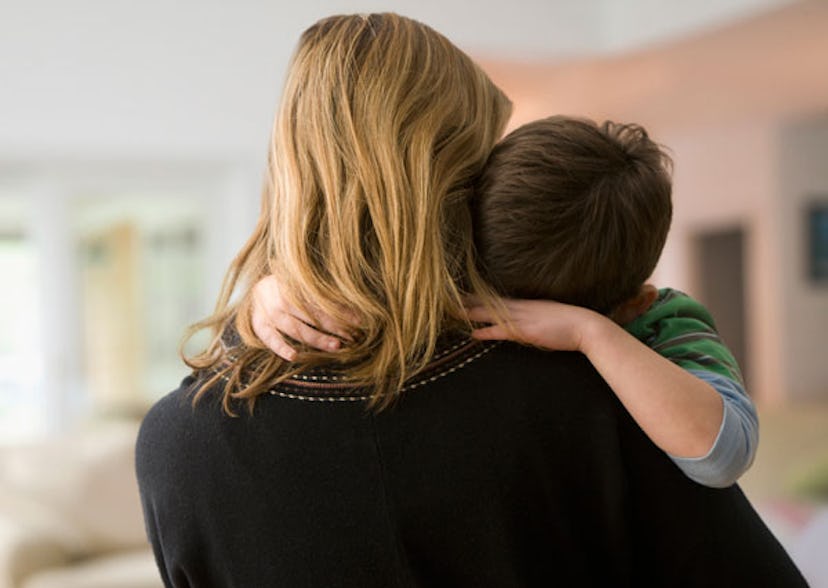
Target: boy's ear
[628, 311]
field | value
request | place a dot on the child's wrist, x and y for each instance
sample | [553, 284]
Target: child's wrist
[595, 330]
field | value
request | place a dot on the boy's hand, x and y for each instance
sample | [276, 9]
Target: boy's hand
[272, 318]
[542, 323]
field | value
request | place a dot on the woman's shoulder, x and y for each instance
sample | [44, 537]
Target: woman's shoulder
[526, 364]
[171, 424]
[522, 379]
[171, 407]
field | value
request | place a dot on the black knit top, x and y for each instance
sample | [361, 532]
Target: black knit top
[500, 466]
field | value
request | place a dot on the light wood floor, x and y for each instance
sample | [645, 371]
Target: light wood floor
[792, 442]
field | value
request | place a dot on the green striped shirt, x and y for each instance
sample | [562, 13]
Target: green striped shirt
[682, 330]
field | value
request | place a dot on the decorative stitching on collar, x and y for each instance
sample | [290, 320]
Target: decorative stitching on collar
[357, 397]
[330, 378]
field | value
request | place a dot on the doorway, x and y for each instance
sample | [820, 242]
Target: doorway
[720, 280]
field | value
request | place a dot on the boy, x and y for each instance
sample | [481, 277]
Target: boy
[573, 212]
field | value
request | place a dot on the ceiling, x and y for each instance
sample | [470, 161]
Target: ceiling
[200, 78]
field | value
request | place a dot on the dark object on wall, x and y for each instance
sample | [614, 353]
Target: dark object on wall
[818, 242]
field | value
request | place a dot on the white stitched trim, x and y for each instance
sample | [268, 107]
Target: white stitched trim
[450, 370]
[318, 398]
[323, 378]
[451, 349]
[315, 378]
[352, 398]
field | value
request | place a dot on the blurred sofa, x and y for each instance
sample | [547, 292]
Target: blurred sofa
[70, 515]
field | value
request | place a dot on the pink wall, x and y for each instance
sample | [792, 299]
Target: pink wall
[802, 155]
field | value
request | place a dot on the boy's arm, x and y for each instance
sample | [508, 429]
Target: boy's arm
[701, 419]
[731, 447]
[681, 329]
[679, 412]
[735, 447]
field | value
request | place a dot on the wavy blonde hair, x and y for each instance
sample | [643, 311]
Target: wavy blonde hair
[383, 127]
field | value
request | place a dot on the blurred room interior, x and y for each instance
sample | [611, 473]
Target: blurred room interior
[132, 146]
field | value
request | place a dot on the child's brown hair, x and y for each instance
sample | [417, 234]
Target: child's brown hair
[571, 211]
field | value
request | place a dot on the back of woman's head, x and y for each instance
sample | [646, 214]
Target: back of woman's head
[382, 129]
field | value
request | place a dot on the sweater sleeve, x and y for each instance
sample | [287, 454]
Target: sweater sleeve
[735, 446]
[158, 471]
[148, 449]
[682, 330]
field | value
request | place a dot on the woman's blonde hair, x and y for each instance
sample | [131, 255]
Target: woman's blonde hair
[383, 127]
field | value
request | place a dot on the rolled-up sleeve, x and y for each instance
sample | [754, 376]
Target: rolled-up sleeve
[735, 446]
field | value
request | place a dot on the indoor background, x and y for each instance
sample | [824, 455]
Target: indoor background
[132, 147]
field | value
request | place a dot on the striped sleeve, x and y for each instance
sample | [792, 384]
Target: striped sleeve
[735, 446]
[682, 330]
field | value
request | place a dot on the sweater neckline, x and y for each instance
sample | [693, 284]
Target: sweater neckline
[325, 385]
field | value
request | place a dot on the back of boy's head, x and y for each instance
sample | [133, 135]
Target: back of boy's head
[571, 211]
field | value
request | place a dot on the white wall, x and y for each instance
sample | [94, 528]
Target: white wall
[200, 78]
[636, 23]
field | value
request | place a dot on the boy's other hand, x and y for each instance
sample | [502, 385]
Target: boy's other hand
[273, 318]
[542, 323]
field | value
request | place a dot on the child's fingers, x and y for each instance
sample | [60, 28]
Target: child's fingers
[299, 330]
[326, 323]
[283, 309]
[274, 341]
[322, 321]
[492, 333]
[317, 321]
[280, 348]
[480, 314]
[269, 335]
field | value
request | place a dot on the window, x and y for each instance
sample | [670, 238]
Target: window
[97, 292]
[22, 411]
[140, 265]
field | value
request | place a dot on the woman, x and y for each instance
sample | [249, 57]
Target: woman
[383, 126]
[415, 456]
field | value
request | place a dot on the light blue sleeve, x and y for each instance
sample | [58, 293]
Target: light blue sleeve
[735, 446]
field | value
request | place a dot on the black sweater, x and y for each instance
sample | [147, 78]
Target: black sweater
[500, 466]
